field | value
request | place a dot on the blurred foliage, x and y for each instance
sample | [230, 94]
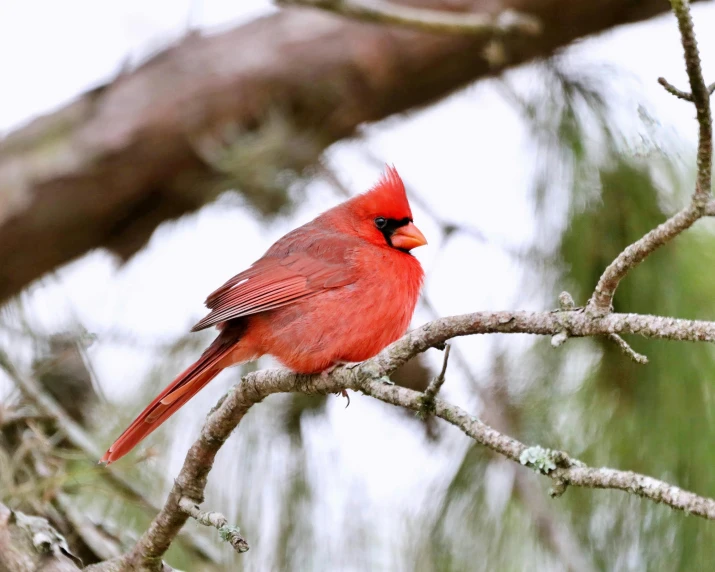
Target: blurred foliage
[660, 416]
[41, 470]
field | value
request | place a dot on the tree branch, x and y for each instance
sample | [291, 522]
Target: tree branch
[701, 204]
[627, 349]
[370, 378]
[230, 534]
[701, 99]
[95, 146]
[602, 300]
[434, 386]
[679, 93]
[425, 20]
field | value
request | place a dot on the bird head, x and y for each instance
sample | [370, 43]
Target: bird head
[383, 216]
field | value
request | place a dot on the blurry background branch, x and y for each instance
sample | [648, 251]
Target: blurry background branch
[442, 22]
[44, 432]
[106, 170]
[30, 543]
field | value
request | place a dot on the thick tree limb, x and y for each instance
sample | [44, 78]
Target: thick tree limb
[107, 169]
[370, 378]
[438, 21]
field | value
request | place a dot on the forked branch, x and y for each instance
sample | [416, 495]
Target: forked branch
[701, 203]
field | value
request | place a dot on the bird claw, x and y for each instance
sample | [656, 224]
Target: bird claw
[344, 393]
[387, 380]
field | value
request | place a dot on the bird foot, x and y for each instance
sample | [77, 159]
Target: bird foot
[344, 392]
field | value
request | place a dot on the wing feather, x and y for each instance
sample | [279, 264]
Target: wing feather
[307, 268]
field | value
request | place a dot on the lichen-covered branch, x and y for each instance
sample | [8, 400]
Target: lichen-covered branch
[426, 20]
[372, 377]
[229, 533]
[627, 349]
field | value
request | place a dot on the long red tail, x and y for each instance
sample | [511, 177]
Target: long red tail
[169, 401]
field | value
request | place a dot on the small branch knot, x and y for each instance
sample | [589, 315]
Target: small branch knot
[232, 535]
[559, 339]
[228, 533]
[566, 304]
[566, 301]
[558, 488]
[427, 403]
[627, 349]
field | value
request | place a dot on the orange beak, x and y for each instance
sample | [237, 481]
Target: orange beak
[408, 237]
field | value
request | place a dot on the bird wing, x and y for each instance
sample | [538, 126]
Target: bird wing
[305, 265]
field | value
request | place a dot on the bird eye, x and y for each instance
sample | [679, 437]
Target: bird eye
[380, 222]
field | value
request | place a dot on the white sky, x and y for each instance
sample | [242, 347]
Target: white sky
[468, 157]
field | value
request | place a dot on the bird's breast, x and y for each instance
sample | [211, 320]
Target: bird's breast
[346, 324]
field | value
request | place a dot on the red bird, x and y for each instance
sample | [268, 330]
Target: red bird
[336, 290]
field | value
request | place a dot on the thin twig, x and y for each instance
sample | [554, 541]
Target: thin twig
[628, 350]
[670, 88]
[231, 534]
[680, 94]
[434, 386]
[424, 19]
[701, 204]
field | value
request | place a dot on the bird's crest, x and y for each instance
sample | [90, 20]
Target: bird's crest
[387, 198]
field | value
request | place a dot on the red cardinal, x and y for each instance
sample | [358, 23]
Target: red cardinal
[336, 290]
